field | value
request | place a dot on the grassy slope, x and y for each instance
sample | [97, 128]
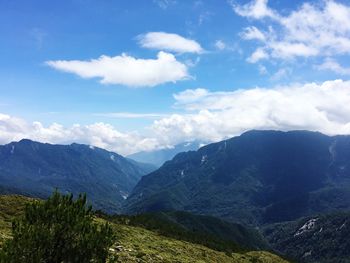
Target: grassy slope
[10, 207]
[137, 244]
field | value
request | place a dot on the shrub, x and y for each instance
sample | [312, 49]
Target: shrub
[59, 230]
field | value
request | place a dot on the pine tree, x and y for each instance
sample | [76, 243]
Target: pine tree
[59, 230]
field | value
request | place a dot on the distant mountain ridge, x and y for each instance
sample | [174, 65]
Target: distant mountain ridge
[159, 157]
[35, 169]
[256, 178]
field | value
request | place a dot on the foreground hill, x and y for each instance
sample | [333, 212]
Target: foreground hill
[257, 178]
[137, 244]
[206, 230]
[35, 169]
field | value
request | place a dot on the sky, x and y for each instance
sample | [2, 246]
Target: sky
[133, 76]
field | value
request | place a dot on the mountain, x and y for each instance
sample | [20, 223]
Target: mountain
[138, 244]
[35, 169]
[257, 178]
[158, 157]
[320, 238]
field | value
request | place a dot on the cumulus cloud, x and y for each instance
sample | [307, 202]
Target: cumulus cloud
[169, 42]
[97, 134]
[214, 116]
[127, 70]
[314, 29]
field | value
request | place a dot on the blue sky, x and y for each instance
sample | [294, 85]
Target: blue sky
[171, 70]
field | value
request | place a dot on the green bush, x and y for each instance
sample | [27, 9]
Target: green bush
[59, 230]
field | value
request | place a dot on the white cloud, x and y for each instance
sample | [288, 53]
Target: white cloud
[319, 28]
[256, 9]
[251, 33]
[98, 134]
[217, 115]
[127, 70]
[190, 95]
[258, 55]
[169, 42]
[332, 65]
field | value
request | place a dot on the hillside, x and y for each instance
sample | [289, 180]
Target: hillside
[257, 178]
[320, 238]
[206, 230]
[35, 169]
[137, 244]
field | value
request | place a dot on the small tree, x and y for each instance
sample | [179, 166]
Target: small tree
[58, 230]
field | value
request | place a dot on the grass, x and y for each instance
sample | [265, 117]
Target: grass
[136, 244]
[11, 206]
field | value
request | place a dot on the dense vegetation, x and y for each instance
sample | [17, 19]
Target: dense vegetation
[137, 244]
[257, 178]
[205, 230]
[321, 238]
[36, 169]
[57, 230]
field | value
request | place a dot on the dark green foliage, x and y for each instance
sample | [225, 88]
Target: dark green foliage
[257, 178]
[36, 169]
[205, 230]
[324, 241]
[58, 230]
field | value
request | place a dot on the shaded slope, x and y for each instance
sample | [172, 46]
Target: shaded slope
[320, 238]
[258, 177]
[35, 169]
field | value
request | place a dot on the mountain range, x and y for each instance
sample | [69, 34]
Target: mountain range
[36, 169]
[264, 190]
[260, 177]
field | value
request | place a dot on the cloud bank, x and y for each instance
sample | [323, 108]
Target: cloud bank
[97, 134]
[213, 116]
[208, 116]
